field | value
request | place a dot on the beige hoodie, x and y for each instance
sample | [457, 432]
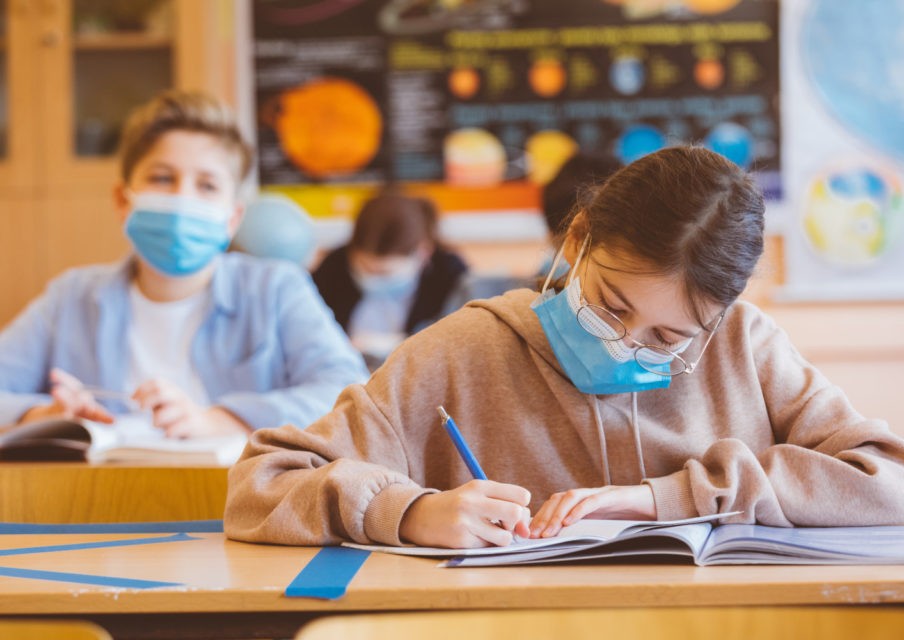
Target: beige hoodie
[754, 428]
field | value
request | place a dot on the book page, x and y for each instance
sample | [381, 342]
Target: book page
[134, 438]
[759, 544]
[581, 535]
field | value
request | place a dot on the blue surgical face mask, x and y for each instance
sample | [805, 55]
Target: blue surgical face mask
[177, 235]
[593, 365]
[400, 282]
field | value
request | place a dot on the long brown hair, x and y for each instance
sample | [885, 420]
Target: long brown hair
[686, 211]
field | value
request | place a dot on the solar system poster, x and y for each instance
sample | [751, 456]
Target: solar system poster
[477, 103]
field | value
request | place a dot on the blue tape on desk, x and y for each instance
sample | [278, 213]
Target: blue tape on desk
[101, 544]
[184, 526]
[328, 574]
[81, 578]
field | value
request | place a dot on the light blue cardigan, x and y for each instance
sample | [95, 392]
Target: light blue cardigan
[268, 349]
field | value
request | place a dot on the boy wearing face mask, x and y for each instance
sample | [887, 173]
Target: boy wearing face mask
[635, 387]
[209, 343]
[393, 278]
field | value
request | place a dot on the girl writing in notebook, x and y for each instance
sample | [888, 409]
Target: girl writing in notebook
[636, 386]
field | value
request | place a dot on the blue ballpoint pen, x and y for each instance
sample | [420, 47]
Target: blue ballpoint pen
[463, 450]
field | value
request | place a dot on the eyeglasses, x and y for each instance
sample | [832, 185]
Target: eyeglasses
[605, 325]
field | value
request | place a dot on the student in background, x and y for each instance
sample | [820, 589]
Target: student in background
[636, 387]
[394, 276]
[211, 344]
[560, 197]
[563, 194]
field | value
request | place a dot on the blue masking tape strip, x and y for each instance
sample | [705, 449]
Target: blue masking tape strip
[176, 537]
[187, 526]
[81, 578]
[328, 574]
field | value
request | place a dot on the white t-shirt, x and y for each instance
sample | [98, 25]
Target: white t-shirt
[160, 339]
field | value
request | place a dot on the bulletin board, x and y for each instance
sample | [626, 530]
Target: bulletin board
[844, 114]
[477, 103]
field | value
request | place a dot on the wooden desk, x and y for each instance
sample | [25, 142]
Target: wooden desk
[67, 492]
[231, 587]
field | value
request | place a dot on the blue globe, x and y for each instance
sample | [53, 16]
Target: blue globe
[276, 227]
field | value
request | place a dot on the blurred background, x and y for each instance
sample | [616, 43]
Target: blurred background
[476, 105]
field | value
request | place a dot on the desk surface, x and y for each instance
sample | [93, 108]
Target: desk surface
[219, 575]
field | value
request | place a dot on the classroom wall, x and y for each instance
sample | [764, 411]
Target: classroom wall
[859, 345]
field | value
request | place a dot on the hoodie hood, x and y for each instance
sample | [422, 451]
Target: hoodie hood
[511, 308]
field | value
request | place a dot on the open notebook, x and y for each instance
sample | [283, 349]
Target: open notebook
[697, 539]
[131, 438]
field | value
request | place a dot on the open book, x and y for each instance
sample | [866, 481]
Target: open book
[696, 539]
[130, 439]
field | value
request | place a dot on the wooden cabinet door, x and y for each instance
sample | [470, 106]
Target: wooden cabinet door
[19, 82]
[104, 62]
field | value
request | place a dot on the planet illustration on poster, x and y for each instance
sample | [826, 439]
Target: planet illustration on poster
[644, 9]
[732, 141]
[547, 151]
[473, 157]
[547, 77]
[328, 126]
[637, 141]
[709, 73]
[627, 75]
[854, 216]
[464, 82]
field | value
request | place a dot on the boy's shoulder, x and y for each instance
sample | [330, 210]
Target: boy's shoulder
[240, 261]
[247, 274]
[89, 278]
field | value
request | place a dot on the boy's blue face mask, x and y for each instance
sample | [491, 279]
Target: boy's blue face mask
[587, 361]
[177, 235]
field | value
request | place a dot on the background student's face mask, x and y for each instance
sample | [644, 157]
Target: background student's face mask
[592, 365]
[177, 235]
[401, 279]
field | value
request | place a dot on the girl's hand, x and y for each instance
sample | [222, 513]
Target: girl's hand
[612, 502]
[479, 513]
[180, 417]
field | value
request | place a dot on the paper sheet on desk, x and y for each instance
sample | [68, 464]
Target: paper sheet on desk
[580, 532]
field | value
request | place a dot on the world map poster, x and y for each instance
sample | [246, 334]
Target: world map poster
[843, 108]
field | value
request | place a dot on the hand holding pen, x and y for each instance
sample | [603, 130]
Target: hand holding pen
[71, 399]
[479, 513]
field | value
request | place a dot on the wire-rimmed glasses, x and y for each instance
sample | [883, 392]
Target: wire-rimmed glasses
[608, 327]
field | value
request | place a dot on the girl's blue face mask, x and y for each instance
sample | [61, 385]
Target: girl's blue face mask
[592, 365]
[177, 235]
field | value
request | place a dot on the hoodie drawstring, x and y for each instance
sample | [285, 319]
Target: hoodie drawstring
[636, 428]
[594, 402]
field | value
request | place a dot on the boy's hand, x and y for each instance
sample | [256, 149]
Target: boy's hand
[464, 517]
[70, 400]
[180, 417]
[612, 502]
